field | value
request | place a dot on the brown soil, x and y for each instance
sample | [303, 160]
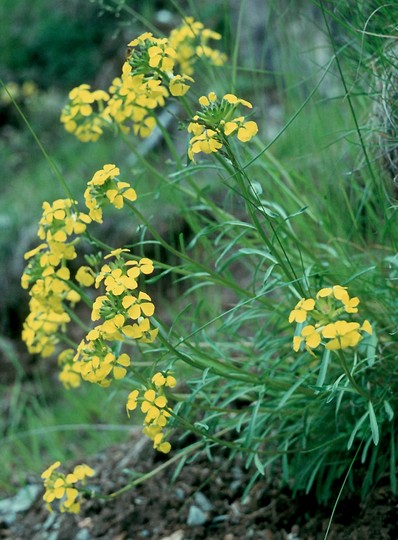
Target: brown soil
[204, 501]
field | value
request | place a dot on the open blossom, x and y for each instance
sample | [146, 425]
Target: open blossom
[300, 312]
[179, 86]
[324, 320]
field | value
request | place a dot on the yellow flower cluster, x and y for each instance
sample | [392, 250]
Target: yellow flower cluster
[154, 405]
[26, 90]
[329, 327]
[146, 81]
[65, 488]
[84, 114]
[125, 312]
[216, 122]
[48, 275]
[106, 187]
[190, 42]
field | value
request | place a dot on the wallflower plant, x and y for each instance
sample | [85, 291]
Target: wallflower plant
[306, 396]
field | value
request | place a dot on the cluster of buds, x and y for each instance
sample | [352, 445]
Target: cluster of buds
[216, 121]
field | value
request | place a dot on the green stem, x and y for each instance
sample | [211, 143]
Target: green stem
[347, 372]
[253, 205]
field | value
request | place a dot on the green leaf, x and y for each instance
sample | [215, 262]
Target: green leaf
[323, 368]
[356, 428]
[258, 464]
[371, 348]
[389, 410]
[373, 424]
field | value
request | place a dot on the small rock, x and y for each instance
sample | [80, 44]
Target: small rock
[220, 519]
[83, 534]
[203, 502]
[235, 485]
[179, 493]
[196, 516]
[22, 501]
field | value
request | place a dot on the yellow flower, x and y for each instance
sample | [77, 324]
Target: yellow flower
[231, 98]
[83, 470]
[207, 101]
[311, 336]
[162, 57]
[339, 292]
[366, 327]
[161, 380]
[137, 306]
[83, 115]
[140, 331]
[244, 130]
[178, 86]
[131, 404]
[85, 276]
[152, 404]
[300, 312]
[161, 445]
[144, 266]
[117, 282]
[123, 361]
[342, 334]
[111, 326]
[63, 487]
[69, 377]
[48, 472]
[350, 305]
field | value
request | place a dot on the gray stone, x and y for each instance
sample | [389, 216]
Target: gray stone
[196, 516]
[203, 502]
[22, 501]
[83, 534]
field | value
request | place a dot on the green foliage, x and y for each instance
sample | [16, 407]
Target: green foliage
[43, 41]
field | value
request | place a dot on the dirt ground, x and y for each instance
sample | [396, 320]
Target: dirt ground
[203, 502]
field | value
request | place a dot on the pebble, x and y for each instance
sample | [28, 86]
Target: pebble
[22, 501]
[196, 516]
[203, 502]
[180, 494]
[83, 534]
